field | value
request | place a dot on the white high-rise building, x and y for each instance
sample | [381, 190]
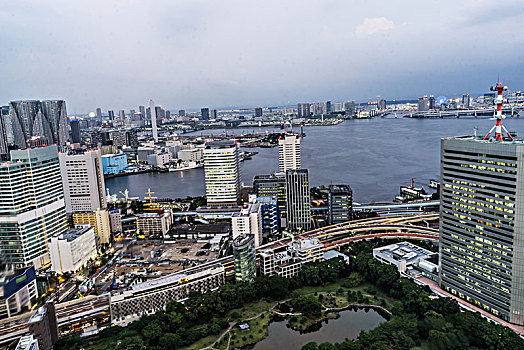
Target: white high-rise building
[32, 206]
[222, 173]
[248, 222]
[153, 120]
[289, 152]
[83, 181]
[72, 249]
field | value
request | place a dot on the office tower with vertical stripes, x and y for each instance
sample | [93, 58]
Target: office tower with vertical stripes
[289, 152]
[222, 173]
[83, 181]
[298, 200]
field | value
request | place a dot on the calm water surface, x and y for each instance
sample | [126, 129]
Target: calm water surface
[348, 325]
[374, 156]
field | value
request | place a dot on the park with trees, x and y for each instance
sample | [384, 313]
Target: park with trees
[211, 319]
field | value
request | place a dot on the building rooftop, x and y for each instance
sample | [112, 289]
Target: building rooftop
[221, 144]
[404, 251]
[243, 240]
[339, 189]
[490, 139]
[177, 277]
[306, 243]
[247, 209]
[74, 233]
[38, 315]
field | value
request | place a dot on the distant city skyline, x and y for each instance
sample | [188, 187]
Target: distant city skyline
[232, 53]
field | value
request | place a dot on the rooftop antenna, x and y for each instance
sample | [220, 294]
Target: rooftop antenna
[498, 114]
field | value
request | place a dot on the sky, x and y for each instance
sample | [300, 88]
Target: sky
[186, 54]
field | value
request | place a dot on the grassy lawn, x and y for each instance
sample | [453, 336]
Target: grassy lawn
[204, 342]
[310, 290]
[258, 329]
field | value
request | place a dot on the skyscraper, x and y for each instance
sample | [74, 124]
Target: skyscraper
[4, 114]
[99, 115]
[482, 223]
[111, 114]
[83, 181]
[273, 185]
[214, 114]
[340, 203]
[304, 110]
[56, 115]
[122, 114]
[258, 112]
[289, 152]
[142, 111]
[205, 113]
[298, 199]
[44, 119]
[245, 260]
[222, 174]
[32, 207]
[349, 107]
[153, 120]
[75, 131]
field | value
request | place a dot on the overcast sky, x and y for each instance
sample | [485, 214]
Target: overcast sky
[193, 53]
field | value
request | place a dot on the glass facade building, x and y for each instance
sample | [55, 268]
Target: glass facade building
[32, 207]
[482, 224]
[244, 255]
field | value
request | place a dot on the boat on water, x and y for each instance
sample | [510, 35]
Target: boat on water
[412, 193]
[433, 183]
[191, 165]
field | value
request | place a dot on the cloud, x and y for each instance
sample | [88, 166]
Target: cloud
[371, 26]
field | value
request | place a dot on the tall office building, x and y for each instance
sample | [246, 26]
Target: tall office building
[122, 114]
[289, 152]
[32, 207]
[181, 113]
[214, 114]
[99, 115]
[111, 114]
[304, 110]
[44, 119]
[258, 112]
[340, 204]
[83, 181]
[423, 104]
[222, 173]
[482, 223]
[152, 110]
[273, 185]
[245, 260]
[142, 111]
[55, 113]
[4, 152]
[298, 199]
[349, 107]
[269, 214]
[382, 104]
[75, 131]
[205, 113]
[432, 102]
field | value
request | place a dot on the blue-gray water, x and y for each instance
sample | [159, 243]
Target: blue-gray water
[348, 325]
[374, 156]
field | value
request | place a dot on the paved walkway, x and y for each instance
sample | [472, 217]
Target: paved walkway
[232, 324]
[434, 286]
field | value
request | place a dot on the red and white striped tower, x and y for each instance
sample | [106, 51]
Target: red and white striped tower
[498, 114]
